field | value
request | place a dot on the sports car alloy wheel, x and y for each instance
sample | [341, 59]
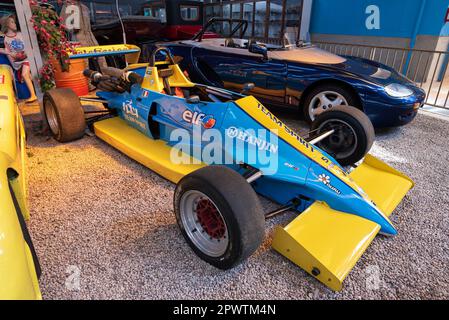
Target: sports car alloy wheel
[204, 223]
[323, 101]
[343, 142]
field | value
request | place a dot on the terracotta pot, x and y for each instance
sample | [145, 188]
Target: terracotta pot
[74, 78]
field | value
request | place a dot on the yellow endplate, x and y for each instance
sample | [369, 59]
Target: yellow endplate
[325, 243]
[153, 154]
[383, 184]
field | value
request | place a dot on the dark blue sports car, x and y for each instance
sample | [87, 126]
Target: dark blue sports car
[299, 76]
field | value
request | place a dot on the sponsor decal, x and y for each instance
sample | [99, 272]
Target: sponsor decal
[129, 109]
[108, 49]
[280, 124]
[2, 79]
[244, 136]
[326, 180]
[289, 165]
[197, 118]
[131, 114]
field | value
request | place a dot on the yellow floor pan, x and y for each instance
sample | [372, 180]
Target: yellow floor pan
[153, 154]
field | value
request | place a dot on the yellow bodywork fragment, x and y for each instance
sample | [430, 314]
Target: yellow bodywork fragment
[153, 154]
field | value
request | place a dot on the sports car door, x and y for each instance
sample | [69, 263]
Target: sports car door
[231, 68]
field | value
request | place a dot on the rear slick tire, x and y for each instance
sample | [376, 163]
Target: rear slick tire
[64, 114]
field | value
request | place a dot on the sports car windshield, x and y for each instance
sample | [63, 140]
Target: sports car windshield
[234, 32]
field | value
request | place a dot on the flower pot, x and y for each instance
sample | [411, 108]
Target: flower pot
[73, 78]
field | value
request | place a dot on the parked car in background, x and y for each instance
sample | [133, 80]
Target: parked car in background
[145, 20]
[298, 75]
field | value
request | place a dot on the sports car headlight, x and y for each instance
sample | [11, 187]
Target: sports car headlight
[397, 90]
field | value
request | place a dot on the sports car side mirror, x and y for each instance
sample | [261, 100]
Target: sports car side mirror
[193, 100]
[259, 49]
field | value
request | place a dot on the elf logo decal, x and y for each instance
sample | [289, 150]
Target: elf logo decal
[326, 180]
[208, 122]
[244, 136]
[196, 118]
[2, 79]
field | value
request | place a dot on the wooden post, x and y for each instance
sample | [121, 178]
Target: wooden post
[24, 15]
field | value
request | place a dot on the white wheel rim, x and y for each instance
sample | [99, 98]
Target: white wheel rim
[213, 244]
[323, 101]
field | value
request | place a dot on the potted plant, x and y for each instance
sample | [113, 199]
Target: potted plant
[54, 44]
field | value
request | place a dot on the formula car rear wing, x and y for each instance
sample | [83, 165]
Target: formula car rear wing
[131, 52]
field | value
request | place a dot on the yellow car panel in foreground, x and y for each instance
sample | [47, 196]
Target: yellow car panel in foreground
[18, 265]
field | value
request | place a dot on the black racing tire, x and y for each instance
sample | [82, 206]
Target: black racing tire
[238, 205]
[354, 134]
[64, 114]
[349, 97]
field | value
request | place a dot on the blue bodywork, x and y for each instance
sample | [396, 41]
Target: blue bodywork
[297, 178]
[286, 83]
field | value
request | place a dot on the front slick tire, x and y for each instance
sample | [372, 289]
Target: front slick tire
[64, 115]
[219, 215]
[353, 137]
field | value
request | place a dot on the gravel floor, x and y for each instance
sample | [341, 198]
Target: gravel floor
[103, 228]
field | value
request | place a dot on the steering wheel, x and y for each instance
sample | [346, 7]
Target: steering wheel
[160, 50]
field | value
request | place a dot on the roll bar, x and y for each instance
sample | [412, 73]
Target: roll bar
[240, 24]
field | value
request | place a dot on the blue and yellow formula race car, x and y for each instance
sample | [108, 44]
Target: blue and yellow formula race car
[223, 148]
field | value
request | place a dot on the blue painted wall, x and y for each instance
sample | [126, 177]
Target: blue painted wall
[397, 17]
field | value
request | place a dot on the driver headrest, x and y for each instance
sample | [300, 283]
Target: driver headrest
[165, 73]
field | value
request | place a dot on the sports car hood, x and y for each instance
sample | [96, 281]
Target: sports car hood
[364, 68]
[373, 71]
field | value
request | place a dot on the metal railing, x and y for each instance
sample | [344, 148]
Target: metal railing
[428, 69]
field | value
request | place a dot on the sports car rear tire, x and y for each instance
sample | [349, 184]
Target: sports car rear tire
[219, 215]
[353, 137]
[64, 114]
